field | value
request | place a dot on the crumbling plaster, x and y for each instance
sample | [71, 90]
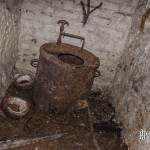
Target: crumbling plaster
[131, 85]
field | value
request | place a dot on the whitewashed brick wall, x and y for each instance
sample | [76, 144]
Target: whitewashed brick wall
[131, 86]
[106, 31]
[9, 33]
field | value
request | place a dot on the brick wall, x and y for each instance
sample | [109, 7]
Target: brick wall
[9, 29]
[106, 31]
[131, 86]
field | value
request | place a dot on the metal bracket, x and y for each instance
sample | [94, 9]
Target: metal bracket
[34, 62]
[62, 27]
[62, 33]
[75, 36]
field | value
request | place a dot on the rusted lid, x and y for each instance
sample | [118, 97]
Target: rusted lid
[66, 53]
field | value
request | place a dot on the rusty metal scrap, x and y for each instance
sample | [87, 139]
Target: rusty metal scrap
[62, 27]
[64, 74]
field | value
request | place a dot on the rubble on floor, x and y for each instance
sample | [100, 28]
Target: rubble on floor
[89, 128]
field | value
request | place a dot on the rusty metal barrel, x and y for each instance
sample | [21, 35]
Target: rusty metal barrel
[64, 74]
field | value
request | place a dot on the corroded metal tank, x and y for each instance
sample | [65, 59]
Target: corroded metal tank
[64, 74]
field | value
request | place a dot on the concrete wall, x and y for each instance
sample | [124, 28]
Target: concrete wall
[131, 86]
[9, 29]
[106, 31]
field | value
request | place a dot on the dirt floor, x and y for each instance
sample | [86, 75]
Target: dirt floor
[89, 128]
